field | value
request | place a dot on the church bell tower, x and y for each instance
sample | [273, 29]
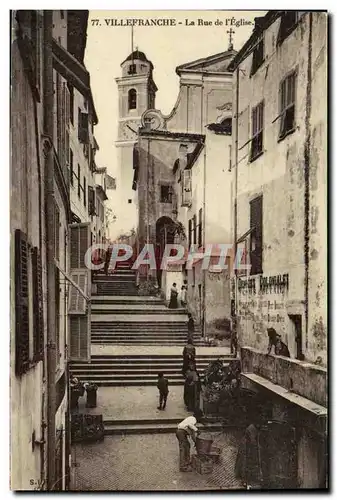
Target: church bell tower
[136, 94]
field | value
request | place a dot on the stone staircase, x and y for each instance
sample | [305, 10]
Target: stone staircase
[133, 370]
[120, 317]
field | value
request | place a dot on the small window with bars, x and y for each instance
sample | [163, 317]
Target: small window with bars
[257, 131]
[258, 55]
[287, 105]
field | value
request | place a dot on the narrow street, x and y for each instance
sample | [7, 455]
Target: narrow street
[133, 338]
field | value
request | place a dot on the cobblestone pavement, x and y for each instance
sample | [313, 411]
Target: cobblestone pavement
[135, 350]
[148, 463]
[131, 403]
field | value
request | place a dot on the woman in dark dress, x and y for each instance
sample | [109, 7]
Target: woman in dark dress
[174, 297]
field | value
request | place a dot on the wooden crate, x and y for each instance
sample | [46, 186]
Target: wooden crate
[202, 465]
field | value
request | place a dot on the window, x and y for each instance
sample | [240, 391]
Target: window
[71, 167]
[84, 191]
[129, 200]
[189, 233]
[57, 314]
[257, 128]
[256, 221]
[132, 99]
[287, 105]
[56, 232]
[186, 188]
[62, 14]
[194, 229]
[71, 102]
[79, 181]
[258, 55]
[200, 229]
[83, 126]
[132, 69]
[289, 20]
[165, 194]
[91, 201]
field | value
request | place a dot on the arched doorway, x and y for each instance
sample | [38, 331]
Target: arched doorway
[164, 236]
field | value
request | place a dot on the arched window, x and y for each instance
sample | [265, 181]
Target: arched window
[132, 99]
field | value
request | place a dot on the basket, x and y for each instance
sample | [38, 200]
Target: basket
[203, 444]
[201, 464]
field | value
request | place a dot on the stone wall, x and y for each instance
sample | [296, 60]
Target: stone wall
[299, 377]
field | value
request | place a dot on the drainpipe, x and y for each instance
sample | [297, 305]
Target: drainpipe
[236, 165]
[48, 103]
[307, 146]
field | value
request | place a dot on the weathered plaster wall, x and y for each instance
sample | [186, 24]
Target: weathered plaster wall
[26, 391]
[279, 175]
[318, 321]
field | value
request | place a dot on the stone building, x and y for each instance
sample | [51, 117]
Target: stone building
[47, 57]
[174, 155]
[279, 219]
[101, 197]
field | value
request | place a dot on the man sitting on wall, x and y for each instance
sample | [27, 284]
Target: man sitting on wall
[280, 347]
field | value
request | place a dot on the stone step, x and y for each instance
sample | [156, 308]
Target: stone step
[136, 382]
[140, 367]
[154, 427]
[170, 343]
[129, 321]
[171, 372]
[110, 299]
[144, 336]
[145, 309]
[117, 293]
[103, 358]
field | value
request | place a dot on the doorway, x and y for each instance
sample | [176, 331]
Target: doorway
[296, 320]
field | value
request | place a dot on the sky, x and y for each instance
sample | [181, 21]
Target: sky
[166, 46]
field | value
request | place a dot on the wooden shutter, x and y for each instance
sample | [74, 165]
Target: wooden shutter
[79, 244]
[187, 188]
[79, 308]
[79, 336]
[21, 303]
[77, 303]
[38, 324]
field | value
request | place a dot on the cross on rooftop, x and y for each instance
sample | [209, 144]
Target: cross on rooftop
[230, 44]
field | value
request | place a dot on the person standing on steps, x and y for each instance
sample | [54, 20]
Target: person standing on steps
[187, 428]
[174, 297]
[188, 355]
[183, 296]
[162, 386]
[190, 327]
